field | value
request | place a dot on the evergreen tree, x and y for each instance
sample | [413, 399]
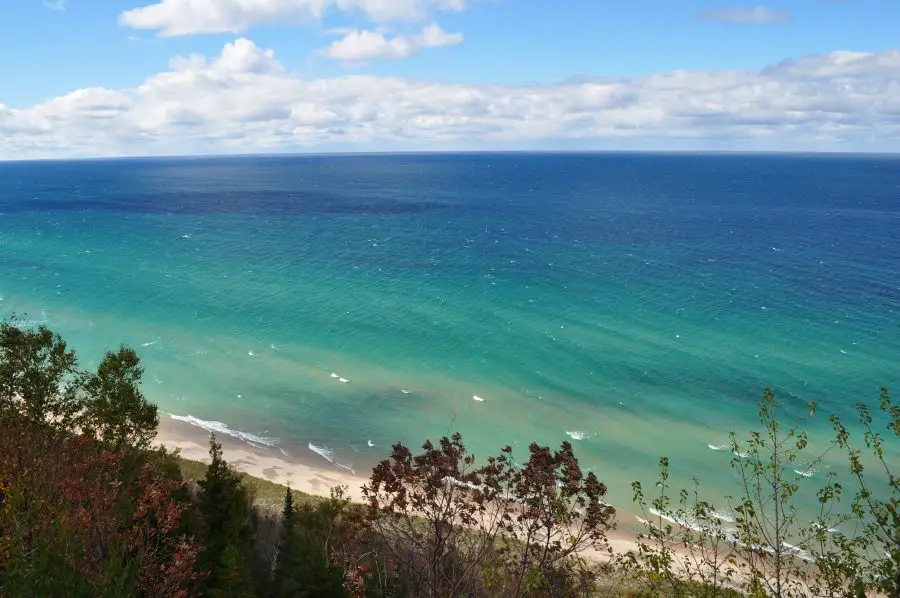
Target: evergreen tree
[224, 504]
[285, 558]
[235, 580]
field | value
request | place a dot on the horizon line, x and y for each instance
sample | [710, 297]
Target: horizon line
[387, 153]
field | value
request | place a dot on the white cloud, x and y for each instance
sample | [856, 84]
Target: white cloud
[244, 101]
[358, 46]
[57, 5]
[187, 17]
[435, 37]
[757, 15]
[243, 56]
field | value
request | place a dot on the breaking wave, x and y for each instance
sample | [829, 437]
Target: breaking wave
[330, 456]
[220, 428]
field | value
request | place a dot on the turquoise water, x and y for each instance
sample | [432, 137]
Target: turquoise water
[635, 305]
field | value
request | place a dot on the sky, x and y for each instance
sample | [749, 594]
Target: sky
[93, 78]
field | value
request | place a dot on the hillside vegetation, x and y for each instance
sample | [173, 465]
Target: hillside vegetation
[89, 507]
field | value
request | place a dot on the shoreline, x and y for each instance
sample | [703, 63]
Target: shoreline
[268, 464]
[262, 462]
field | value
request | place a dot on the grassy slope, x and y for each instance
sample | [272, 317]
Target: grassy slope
[264, 492]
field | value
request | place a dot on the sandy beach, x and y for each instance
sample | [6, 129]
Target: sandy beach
[259, 461]
[269, 464]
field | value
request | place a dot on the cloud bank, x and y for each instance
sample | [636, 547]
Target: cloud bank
[193, 17]
[243, 100]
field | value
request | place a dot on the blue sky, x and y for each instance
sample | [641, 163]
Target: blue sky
[52, 49]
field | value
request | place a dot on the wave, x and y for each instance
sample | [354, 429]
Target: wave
[682, 521]
[329, 455]
[798, 552]
[577, 434]
[450, 480]
[220, 428]
[477, 398]
[830, 530]
[719, 447]
[688, 522]
[722, 516]
[806, 473]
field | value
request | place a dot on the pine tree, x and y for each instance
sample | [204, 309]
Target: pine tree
[224, 504]
[287, 547]
[235, 580]
[303, 566]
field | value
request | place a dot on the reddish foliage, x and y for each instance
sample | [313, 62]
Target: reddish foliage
[447, 520]
[167, 558]
[76, 500]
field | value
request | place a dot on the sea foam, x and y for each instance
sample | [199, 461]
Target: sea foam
[807, 472]
[329, 455]
[220, 428]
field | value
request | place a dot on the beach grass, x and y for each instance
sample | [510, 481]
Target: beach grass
[264, 492]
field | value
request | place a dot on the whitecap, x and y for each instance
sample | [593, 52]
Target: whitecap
[722, 516]
[333, 375]
[818, 525]
[370, 443]
[806, 473]
[221, 428]
[682, 521]
[719, 447]
[406, 392]
[477, 398]
[250, 353]
[577, 435]
[343, 380]
[149, 344]
[450, 480]
[740, 454]
[797, 551]
[328, 454]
